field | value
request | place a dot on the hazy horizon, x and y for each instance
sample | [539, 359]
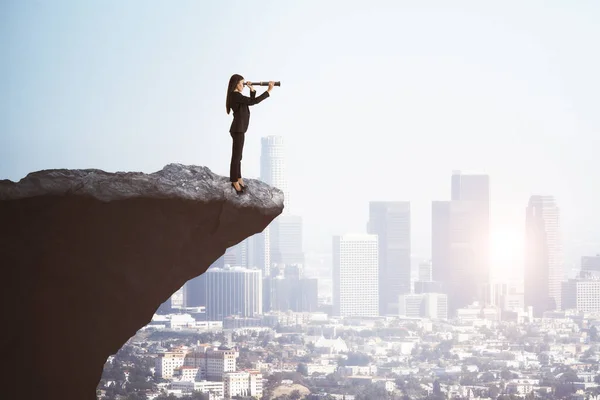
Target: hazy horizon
[395, 96]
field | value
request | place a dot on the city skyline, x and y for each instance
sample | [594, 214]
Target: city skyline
[274, 171]
[508, 90]
[435, 234]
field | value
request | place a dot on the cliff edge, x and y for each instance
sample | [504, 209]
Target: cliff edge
[90, 255]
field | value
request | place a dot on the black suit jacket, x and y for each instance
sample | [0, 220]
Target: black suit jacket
[241, 110]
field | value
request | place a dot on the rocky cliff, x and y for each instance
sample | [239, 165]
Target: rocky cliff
[88, 256]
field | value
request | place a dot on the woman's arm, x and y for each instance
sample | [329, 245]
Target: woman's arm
[240, 98]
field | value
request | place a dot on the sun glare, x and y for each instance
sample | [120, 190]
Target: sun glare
[506, 254]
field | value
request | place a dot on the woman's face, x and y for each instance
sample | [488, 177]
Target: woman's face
[240, 85]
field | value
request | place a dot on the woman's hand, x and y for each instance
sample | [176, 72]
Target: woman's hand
[249, 84]
[271, 84]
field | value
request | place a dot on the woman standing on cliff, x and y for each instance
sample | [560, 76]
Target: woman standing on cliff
[239, 103]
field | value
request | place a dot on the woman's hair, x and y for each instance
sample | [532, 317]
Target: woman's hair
[233, 81]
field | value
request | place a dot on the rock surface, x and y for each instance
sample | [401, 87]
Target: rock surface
[89, 256]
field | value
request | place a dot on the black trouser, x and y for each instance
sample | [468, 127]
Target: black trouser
[235, 170]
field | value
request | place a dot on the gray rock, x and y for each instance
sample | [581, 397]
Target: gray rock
[89, 256]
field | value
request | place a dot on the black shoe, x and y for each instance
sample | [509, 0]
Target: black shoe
[244, 187]
[237, 191]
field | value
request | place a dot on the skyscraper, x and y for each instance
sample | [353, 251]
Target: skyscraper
[287, 289]
[591, 264]
[543, 255]
[241, 252]
[272, 166]
[425, 271]
[281, 241]
[390, 221]
[441, 264]
[355, 275]
[473, 191]
[287, 248]
[581, 294]
[233, 291]
[261, 251]
[195, 290]
[460, 240]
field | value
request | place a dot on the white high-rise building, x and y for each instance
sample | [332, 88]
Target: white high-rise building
[424, 305]
[355, 275]
[204, 362]
[543, 255]
[272, 172]
[281, 241]
[582, 294]
[168, 362]
[233, 291]
[272, 166]
[243, 383]
[425, 271]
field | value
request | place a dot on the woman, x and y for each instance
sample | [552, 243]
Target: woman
[239, 103]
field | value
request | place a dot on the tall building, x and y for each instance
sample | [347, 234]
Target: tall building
[460, 241]
[261, 251]
[233, 291]
[355, 275]
[441, 262]
[425, 305]
[281, 241]
[241, 252]
[243, 384]
[425, 271]
[287, 290]
[543, 255]
[286, 248]
[506, 296]
[581, 294]
[273, 166]
[211, 363]
[390, 221]
[591, 264]
[195, 290]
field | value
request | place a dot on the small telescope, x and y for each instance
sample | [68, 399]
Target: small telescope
[264, 83]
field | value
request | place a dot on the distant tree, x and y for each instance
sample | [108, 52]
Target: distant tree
[165, 397]
[370, 392]
[445, 346]
[591, 352]
[468, 380]
[569, 376]
[594, 337]
[563, 390]
[493, 391]
[508, 397]
[135, 396]
[358, 359]
[196, 395]
[295, 395]
[302, 369]
[436, 387]
[487, 377]
[433, 396]
[530, 396]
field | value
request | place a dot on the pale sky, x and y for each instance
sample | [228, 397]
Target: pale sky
[380, 100]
